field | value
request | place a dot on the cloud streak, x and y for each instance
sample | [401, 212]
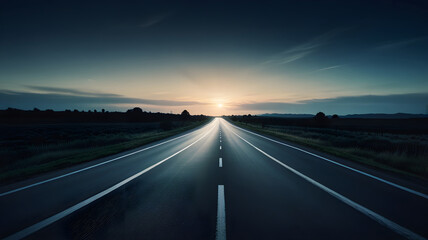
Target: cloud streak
[402, 43]
[300, 51]
[153, 20]
[70, 91]
[327, 68]
[29, 100]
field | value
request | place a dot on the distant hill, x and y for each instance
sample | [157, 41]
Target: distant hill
[287, 115]
[369, 115]
[386, 116]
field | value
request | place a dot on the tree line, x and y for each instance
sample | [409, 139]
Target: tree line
[13, 115]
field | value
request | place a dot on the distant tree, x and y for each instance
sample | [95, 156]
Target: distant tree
[36, 110]
[75, 111]
[67, 110]
[185, 114]
[137, 110]
[335, 116]
[320, 116]
[89, 111]
[95, 110]
[103, 110]
[321, 119]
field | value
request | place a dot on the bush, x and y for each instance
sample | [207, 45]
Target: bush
[185, 114]
[320, 116]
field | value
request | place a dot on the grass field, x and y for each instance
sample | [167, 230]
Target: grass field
[28, 150]
[401, 153]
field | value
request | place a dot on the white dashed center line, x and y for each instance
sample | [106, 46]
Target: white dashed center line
[221, 215]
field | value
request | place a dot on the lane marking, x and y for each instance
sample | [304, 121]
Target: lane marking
[378, 218]
[36, 227]
[220, 147]
[342, 165]
[220, 162]
[221, 215]
[90, 167]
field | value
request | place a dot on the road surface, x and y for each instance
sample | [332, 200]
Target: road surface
[215, 182]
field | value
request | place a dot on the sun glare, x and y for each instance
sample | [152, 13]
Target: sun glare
[219, 105]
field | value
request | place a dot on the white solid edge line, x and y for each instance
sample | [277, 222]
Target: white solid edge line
[220, 162]
[342, 165]
[90, 167]
[221, 215]
[36, 227]
[378, 218]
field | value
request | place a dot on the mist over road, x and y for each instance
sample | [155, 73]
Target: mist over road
[215, 182]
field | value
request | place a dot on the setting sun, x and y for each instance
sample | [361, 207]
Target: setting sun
[219, 105]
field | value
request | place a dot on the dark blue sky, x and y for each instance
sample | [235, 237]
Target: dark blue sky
[255, 57]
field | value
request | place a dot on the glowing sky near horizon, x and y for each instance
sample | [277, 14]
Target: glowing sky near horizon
[276, 56]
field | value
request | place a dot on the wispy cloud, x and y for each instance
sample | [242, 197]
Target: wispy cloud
[70, 91]
[327, 68]
[153, 20]
[300, 51]
[291, 55]
[402, 43]
[61, 98]
[145, 22]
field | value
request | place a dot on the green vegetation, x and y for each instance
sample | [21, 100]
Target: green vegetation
[401, 153]
[27, 150]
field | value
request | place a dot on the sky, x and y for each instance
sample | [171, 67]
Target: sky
[215, 57]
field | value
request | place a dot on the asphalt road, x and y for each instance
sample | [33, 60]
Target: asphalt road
[218, 181]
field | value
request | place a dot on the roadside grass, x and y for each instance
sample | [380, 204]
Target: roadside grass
[400, 153]
[21, 159]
